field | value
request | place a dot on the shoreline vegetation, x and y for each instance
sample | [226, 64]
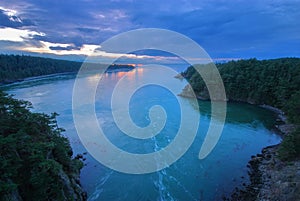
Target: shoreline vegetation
[36, 159]
[15, 68]
[274, 85]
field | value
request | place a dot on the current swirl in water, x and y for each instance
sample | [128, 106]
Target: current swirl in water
[89, 129]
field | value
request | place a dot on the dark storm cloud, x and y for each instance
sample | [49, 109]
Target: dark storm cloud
[77, 22]
[63, 48]
[13, 21]
[232, 27]
[223, 28]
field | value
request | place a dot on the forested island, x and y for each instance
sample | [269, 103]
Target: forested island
[273, 84]
[15, 67]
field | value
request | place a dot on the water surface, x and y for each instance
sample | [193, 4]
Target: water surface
[246, 132]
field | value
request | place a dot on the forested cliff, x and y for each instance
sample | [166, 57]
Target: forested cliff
[274, 172]
[273, 82]
[35, 159]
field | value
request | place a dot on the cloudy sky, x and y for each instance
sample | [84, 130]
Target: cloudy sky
[225, 29]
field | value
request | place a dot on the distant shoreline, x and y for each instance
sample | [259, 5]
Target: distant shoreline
[14, 81]
[33, 78]
[16, 68]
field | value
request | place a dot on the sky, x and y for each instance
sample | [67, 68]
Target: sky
[230, 29]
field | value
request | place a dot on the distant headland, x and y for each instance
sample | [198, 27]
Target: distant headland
[15, 68]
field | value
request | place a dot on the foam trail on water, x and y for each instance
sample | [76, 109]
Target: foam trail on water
[159, 183]
[99, 189]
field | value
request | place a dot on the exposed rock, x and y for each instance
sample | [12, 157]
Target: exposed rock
[12, 196]
[280, 180]
[179, 76]
[187, 92]
[72, 188]
[271, 179]
[286, 128]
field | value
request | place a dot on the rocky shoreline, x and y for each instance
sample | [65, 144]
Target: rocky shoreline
[72, 188]
[271, 179]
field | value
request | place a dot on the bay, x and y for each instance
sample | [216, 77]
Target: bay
[246, 131]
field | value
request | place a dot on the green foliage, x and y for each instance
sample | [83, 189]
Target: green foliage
[290, 147]
[293, 108]
[273, 82]
[14, 67]
[33, 153]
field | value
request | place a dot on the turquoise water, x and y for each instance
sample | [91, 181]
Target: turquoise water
[247, 130]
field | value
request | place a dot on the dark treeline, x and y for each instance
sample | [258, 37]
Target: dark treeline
[35, 159]
[16, 67]
[274, 82]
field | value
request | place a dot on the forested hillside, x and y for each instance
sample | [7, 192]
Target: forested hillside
[35, 159]
[15, 67]
[273, 82]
